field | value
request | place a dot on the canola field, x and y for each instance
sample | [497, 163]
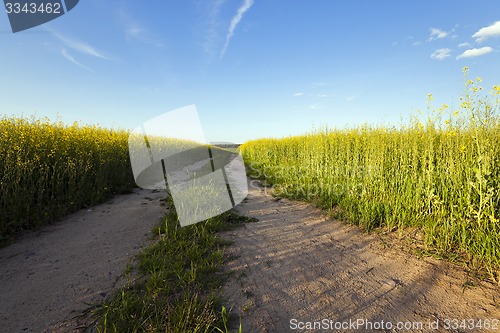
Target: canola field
[48, 170]
[438, 175]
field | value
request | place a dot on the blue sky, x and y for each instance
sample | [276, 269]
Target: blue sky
[261, 68]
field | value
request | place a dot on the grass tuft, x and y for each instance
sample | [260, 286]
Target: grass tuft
[179, 282]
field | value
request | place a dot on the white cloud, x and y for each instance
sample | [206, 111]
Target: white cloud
[314, 106]
[136, 31]
[316, 85]
[441, 54]
[317, 105]
[79, 46]
[466, 44]
[351, 98]
[298, 94]
[211, 27]
[437, 34]
[73, 60]
[475, 52]
[487, 32]
[417, 43]
[234, 23]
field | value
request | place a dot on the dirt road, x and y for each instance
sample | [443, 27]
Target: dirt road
[296, 266]
[49, 276]
[292, 268]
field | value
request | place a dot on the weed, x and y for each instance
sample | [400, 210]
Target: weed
[179, 282]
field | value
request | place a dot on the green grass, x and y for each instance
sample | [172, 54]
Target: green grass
[178, 284]
[439, 174]
[48, 170]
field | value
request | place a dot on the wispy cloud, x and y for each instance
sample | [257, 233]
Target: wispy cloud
[234, 23]
[211, 29]
[351, 97]
[315, 106]
[78, 45]
[316, 85]
[466, 44]
[441, 54]
[490, 31]
[69, 57]
[134, 30]
[437, 34]
[475, 52]
[312, 100]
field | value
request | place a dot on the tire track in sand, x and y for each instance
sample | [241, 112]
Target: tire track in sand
[296, 263]
[50, 276]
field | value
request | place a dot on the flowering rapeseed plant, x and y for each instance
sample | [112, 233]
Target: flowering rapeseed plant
[50, 169]
[444, 180]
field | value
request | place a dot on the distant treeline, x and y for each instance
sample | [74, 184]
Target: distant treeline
[226, 145]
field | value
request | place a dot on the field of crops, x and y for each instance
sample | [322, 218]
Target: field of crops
[439, 174]
[48, 170]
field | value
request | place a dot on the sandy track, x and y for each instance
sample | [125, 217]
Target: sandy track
[297, 264]
[49, 276]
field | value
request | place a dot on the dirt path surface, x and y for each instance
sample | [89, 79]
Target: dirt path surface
[50, 276]
[296, 266]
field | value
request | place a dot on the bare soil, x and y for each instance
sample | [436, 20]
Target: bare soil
[296, 266]
[292, 268]
[51, 276]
